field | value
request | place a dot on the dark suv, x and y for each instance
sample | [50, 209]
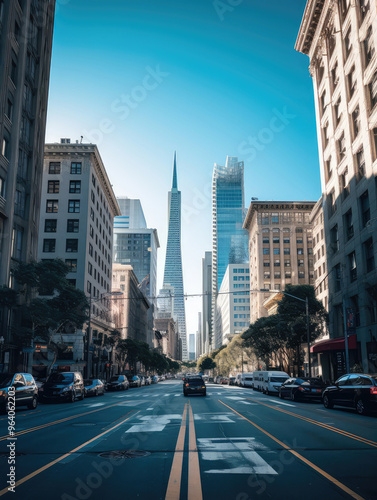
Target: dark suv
[25, 390]
[118, 383]
[356, 390]
[64, 386]
[194, 385]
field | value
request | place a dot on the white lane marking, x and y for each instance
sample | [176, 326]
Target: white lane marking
[219, 417]
[96, 404]
[246, 403]
[148, 409]
[151, 423]
[177, 395]
[235, 454]
[281, 403]
[124, 396]
[235, 398]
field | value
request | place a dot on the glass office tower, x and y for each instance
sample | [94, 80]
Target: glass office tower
[173, 276]
[229, 239]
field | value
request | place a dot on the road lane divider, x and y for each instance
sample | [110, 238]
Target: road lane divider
[323, 473]
[194, 482]
[173, 491]
[320, 424]
[50, 464]
[55, 422]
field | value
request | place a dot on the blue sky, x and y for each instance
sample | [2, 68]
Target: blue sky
[145, 78]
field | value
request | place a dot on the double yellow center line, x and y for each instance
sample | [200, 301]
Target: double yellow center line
[194, 483]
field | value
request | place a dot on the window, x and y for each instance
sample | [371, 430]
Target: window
[54, 167]
[321, 71]
[276, 262]
[72, 226]
[343, 7]
[347, 44]
[266, 263]
[72, 264]
[74, 206]
[276, 251]
[93, 197]
[266, 275]
[266, 240]
[334, 238]
[352, 266]
[301, 275]
[19, 203]
[9, 109]
[360, 162]
[325, 135]
[277, 275]
[287, 263]
[335, 75]
[337, 278]
[368, 46]
[344, 185]
[286, 239]
[52, 206]
[49, 245]
[50, 225]
[300, 262]
[373, 91]
[369, 255]
[328, 169]
[352, 82]
[287, 251]
[300, 251]
[5, 148]
[274, 218]
[72, 245]
[90, 249]
[276, 239]
[76, 168]
[338, 113]
[332, 42]
[364, 9]
[266, 251]
[53, 186]
[364, 208]
[288, 275]
[75, 187]
[323, 102]
[341, 146]
[356, 122]
[331, 205]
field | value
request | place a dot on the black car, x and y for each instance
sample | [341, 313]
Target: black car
[301, 388]
[24, 388]
[63, 386]
[94, 387]
[118, 383]
[134, 380]
[194, 385]
[355, 390]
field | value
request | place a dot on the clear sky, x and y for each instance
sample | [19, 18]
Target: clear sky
[143, 78]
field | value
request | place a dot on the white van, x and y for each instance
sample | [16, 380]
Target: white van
[246, 380]
[257, 381]
[271, 381]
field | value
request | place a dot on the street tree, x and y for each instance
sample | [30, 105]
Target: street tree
[205, 363]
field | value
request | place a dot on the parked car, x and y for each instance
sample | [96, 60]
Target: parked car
[154, 379]
[134, 380]
[94, 387]
[246, 380]
[63, 386]
[118, 383]
[142, 380]
[194, 385]
[355, 390]
[301, 388]
[148, 380]
[224, 381]
[232, 380]
[269, 381]
[25, 393]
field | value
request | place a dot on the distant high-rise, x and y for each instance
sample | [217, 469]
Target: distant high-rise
[26, 30]
[132, 214]
[173, 276]
[229, 239]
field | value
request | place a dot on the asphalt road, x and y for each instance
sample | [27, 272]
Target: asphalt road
[153, 443]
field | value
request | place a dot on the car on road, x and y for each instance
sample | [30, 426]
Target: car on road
[354, 390]
[118, 383]
[224, 381]
[134, 380]
[94, 387]
[63, 386]
[154, 379]
[232, 380]
[194, 385]
[301, 388]
[25, 390]
[148, 380]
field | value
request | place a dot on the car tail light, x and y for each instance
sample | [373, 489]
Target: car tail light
[373, 390]
[187, 385]
[301, 389]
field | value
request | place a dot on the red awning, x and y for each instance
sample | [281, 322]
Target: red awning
[335, 344]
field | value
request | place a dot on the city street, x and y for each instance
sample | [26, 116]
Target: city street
[233, 444]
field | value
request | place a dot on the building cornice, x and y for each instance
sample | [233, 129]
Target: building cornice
[309, 24]
[258, 206]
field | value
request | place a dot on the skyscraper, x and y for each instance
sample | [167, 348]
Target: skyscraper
[173, 263]
[229, 239]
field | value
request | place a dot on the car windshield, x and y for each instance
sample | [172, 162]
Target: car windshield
[61, 378]
[314, 382]
[88, 382]
[114, 379]
[278, 379]
[5, 379]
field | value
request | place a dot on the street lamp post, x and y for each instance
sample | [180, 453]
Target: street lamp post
[2, 340]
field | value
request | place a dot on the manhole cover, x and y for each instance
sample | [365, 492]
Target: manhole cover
[121, 454]
[83, 424]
